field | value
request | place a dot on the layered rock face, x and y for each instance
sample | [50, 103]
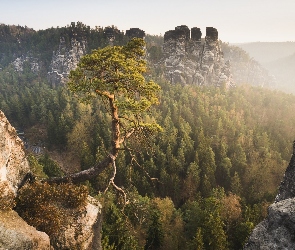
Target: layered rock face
[277, 231]
[83, 231]
[190, 60]
[64, 60]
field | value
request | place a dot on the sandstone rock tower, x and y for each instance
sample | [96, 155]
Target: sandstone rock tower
[189, 59]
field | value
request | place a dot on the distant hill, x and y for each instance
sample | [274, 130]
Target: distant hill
[278, 58]
[283, 69]
[265, 52]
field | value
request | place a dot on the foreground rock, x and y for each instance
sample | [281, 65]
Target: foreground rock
[83, 231]
[277, 231]
[16, 234]
[13, 164]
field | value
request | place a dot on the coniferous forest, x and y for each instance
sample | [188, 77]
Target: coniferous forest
[202, 182]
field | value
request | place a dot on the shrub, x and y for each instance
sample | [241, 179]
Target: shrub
[48, 207]
[7, 196]
[50, 167]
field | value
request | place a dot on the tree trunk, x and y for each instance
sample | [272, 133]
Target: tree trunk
[99, 167]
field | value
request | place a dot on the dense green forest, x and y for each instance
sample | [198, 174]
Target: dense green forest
[217, 164]
[203, 182]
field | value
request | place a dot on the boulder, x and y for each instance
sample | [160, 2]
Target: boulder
[83, 231]
[277, 231]
[16, 234]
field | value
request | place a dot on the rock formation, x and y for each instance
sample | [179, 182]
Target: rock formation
[190, 60]
[245, 69]
[277, 231]
[19, 62]
[135, 32]
[64, 60]
[13, 163]
[83, 231]
[16, 234]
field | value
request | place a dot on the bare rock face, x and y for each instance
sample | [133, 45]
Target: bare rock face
[16, 234]
[32, 62]
[64, 60]
[277, 231]
[84, 230]
[189, 60]
[13, 164]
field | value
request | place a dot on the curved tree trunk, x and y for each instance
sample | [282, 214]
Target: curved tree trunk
[99, 167]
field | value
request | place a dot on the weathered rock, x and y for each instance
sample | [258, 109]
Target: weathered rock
[83, 231]
[189, 60]
[277, 231]
[13, 163]
[64, 60]
[287, 187]
[16, 234]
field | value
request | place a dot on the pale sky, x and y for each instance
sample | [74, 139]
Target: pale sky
[235, 20]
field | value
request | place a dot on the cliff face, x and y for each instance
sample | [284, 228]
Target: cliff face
[15, 233]
[83, 231]
[190, 60]
[277, 231]
[64, 60]
[13, 164]
[186, 57]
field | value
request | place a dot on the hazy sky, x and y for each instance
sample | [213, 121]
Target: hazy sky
[235, 20]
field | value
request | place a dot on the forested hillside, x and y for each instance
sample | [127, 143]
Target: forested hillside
[205, 180]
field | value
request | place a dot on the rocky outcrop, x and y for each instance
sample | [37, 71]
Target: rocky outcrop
[64, 60]
[32, 62]
[83, 229]
[16, 234]
[13, 163]
[277, 231]
[190, 60]
[135, 32]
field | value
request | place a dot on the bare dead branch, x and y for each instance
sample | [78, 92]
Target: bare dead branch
[111, 182]
[133, 159]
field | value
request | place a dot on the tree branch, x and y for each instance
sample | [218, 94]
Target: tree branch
[113, 183]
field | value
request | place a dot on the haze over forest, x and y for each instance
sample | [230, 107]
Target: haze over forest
[205, 160]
